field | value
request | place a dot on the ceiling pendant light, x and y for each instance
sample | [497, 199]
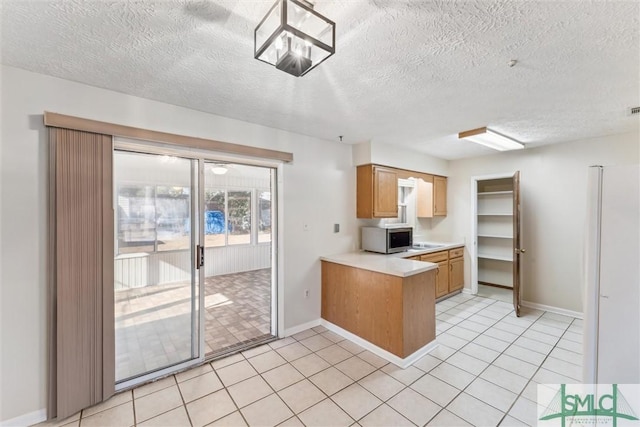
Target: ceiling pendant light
[294, 38]
[491, 139]
[219, 169]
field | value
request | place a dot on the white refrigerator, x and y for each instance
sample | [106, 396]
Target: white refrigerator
[612, 273]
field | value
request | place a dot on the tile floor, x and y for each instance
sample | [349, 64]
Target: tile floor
[483, 373]
[153, 324]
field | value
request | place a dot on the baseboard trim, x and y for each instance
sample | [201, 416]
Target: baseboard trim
[29, 419]
[398, 361]
[303, 327]
[467, 291]
[552, 309]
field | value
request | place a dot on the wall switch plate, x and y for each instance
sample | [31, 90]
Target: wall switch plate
[336, 228]
[305, 227]
[306, 293]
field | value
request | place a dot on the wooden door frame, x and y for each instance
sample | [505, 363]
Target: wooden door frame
[473, 249]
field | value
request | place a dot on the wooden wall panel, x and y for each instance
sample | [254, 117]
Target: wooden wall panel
[83, 268]
[419, 322]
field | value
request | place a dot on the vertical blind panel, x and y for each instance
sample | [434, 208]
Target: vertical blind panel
[80, 176]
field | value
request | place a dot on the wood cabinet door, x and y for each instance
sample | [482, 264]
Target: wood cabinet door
[442, 279]
[385, 193]
[439, 196]
[456, 274]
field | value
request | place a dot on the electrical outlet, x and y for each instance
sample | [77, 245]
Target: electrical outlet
[306, 293]
[336, 228]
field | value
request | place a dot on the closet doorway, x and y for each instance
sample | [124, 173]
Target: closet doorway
[194, 260]
[496, 227]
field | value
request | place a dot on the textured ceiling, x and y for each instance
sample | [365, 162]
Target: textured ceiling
[412, 73]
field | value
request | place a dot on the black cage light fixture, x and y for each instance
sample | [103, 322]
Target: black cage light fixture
[294, 37]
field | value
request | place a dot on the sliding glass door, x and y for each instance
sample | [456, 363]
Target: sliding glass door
[239, 281]
[156, 289]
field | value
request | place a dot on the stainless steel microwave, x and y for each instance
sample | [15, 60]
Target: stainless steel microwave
[387, 240]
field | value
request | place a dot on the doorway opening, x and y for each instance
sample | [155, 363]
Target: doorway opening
[495, 270]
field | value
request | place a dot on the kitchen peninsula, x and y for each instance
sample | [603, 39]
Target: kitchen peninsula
[385, 300]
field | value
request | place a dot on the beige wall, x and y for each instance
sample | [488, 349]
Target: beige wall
[319, 189]
[554, 198]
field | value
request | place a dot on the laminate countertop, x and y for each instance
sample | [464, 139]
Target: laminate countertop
[392, 264]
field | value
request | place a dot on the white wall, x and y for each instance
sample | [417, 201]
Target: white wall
[319, 190]
[554, 200]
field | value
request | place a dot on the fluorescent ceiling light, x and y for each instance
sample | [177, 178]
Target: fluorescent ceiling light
[491, 139]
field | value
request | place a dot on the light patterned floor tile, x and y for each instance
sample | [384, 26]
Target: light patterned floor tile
[200, 386]
[566, 355]
[269, 411]
[194, 372]
[525, 411]
[467, 363]
[509, 421]
[383, 386]
[372, 359]
[293, 351]
[565, 368]
[475, 411]
[121, 415]
[453, 375]
[282, 343]
[355, 368]
[491, 343]
[156, 403]
[282, 376]
[413, 406]
[496, 396]
[332, 336]
[524, 354]
[427, 363]
[310, 365]
[232, 420]
[356, 401]
[505, 379]
[351, 347]
[114, 401]
[501, 335]
[447, 419]
[405, 376]
[334, 354]
[304, 334]
[235, 373]
[226, 361]
[442, 352]
[385, 416]
[252, 352]
[517, 366]
[175, 417]
[541, 336]
[316, 342]
[301, 395]
[248, 391]
[267, 361]
[154, 386]
[210, 408]
[480, 352]
[325, 413]
[331, 380]
[545, 376]
[291, 422]
[435, 389]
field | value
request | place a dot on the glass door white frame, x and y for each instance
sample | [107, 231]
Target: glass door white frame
[277, 263]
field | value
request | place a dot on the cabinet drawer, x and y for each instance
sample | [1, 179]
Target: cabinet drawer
[414, 258]
[455, 253]
[435, 257]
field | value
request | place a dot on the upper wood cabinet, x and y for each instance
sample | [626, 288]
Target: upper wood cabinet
[431, 196]
[377, 192]
[439, 196]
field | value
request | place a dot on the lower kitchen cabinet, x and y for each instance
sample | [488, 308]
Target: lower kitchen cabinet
[450, 271]
[456, 274]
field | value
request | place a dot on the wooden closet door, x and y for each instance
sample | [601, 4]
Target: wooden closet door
[81, 222]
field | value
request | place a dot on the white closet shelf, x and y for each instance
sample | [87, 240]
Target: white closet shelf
[495, 236]
[495, 214]
[495, 193]
[496, 257]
